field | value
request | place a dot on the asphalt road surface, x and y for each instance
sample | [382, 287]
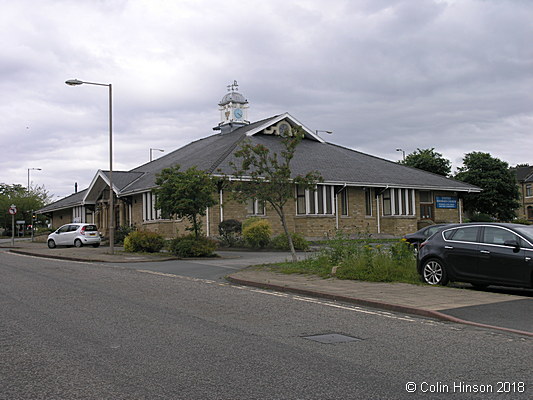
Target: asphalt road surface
[87, 331]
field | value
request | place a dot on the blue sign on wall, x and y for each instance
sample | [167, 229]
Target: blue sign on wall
[446, 202]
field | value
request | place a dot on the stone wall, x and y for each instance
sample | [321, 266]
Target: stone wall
[311, 226]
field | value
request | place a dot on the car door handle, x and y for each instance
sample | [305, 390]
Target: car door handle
[448, 247]
[528, 259]
[484, 251]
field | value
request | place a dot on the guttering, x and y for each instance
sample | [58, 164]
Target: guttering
[337, 206]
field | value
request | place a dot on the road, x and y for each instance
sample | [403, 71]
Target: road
[73, 330]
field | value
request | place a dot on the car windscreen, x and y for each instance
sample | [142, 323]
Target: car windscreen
[90, 228]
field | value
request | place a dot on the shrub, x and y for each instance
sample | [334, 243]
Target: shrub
[361, 261]
[229, 231]
[122, 232]
[190, 246]
[521, 221]
[143, 241]
[257, 233]
[250, 221]
[479, 217]
[281, 242]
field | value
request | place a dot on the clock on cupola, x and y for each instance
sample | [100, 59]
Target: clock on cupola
[233, 110]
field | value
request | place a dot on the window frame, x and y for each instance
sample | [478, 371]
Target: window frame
[398, 202]
[319, 201]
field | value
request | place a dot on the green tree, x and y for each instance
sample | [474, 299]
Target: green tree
[268, 175]
[26, 202]
[500, 194]
[428, 160]
[185, 194]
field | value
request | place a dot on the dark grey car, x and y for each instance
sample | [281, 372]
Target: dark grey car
[482, 254]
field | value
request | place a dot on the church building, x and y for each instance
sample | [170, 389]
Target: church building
[360, 193]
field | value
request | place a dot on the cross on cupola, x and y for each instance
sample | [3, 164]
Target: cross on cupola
[233, 110]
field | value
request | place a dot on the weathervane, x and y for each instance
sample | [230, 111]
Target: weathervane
[233, 87]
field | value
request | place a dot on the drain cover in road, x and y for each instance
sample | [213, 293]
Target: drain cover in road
[332, 338]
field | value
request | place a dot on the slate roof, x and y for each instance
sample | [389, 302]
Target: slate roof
[524, 174]
[73, 200]
[336, 164]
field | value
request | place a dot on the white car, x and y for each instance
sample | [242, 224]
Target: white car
[75, 234]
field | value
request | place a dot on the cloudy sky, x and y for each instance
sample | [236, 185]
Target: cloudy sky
[454, 75]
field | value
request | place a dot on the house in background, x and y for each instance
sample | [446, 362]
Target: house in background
[360, 193]
[524, 178]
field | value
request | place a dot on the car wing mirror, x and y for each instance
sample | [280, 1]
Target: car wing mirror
[514, 244]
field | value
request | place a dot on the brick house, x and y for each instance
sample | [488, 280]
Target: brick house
[360, 192]
[524, 178]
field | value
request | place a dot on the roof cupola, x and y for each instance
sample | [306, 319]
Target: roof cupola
[233, 110]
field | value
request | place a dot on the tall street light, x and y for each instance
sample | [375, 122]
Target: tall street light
[403, 153]
[31, 169]
[161, 150]
[76, 82]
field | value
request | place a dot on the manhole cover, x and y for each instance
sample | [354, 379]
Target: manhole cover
[332, 338]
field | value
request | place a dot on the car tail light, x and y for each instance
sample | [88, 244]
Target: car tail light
[422, 245]
[82, 230]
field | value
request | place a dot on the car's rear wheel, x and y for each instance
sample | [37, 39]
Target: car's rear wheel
[434, 272]
[51, 244]
[78, 243]
[96, 245]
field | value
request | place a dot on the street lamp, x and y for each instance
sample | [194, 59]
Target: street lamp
[161, 150]
[403, 153]
[77, 82]
[31, 169]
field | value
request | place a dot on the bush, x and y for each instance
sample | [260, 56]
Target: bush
[229, 231]
[190, 246]
[360, 260]
[521, 221]
[122, 232]
[479, 217]
[257, 233]
[143, 241]
[281, 242]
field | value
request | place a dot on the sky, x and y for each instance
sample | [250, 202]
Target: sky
[453, 75]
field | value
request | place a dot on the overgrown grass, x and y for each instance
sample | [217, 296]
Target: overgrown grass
[360, 260]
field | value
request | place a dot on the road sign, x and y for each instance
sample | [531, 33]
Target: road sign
[13, 209]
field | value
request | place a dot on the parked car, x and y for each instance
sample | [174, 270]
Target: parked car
[421, 235]
[75, 234]
[482, 254]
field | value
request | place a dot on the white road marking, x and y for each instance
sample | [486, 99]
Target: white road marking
[326, 303]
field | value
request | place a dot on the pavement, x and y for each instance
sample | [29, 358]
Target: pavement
[452, 304]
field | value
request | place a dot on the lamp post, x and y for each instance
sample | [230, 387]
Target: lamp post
[403, 153]
[31, 169]
[151, 149]
[76, 82]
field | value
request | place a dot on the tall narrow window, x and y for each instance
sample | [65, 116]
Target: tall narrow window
[368, 201]
[300, 200]
[344, 201]
[329, 197]
[312, 201]
[426, 204]
[387, 202]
